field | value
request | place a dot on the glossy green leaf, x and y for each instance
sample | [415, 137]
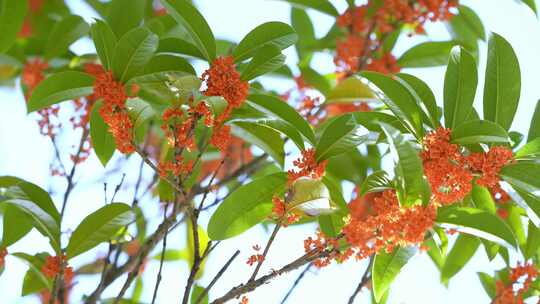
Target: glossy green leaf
[173, 255]
[460, 254]
[316, 80]
[529, 150]
[478, 222]
[426, 98]
[323, 6]
[503, 82]
[16, 225]
[278, 34]
[376, 182]
[100, 226]
[467, 28]
[162, 68]
[11, 20]
[488, 282]
[409, 170]
[514, 221]
[263, 137]
[532, 202]
[479, 131]
[179, 46]
[387, 266]
[33, 283]
[523, 174]
[531, 4]
[102, 140]
[21, 189]
[533, 241]
[125, 15]
[64, 33]
[266, 59]
[400, 101]
[426, 54]
[460, 83]
[275, 106]
[352, 89]
[104, 41]
[534, 129]
[196, 293]
[482, 198]
[133, 51]
[198, 29]
[341, 135]
[34, 277]
[303, 26]
[247, 206]
[284, 128]
[60, 87]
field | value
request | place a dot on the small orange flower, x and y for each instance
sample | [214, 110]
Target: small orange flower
[489, 164]
[244, 300]
[387, 64]
[222, 79]
[521, 278]
[3, 253]
[52, 267]
[308, 166]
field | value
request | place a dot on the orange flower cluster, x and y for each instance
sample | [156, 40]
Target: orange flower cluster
[308, 166]
[114, 111]
[359, 45]
[321, 243]
[336, 109]
[237, 153]
[255, 258]
[505, 292]
[3, 253]
[445, 168]
[52, 267]
[244, 300]
[384, 225]
[222, 79]
[281, 214]
[488, 164]
[309, 108]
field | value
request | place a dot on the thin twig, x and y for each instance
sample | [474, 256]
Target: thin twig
[216, 277]
[161, 259]
[296, 282]
[265, 252]
[365, 278]
[117, 188]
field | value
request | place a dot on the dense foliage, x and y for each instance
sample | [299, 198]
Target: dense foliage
[216, 142]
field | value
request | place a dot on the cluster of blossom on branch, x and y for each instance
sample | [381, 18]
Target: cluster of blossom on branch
[520, 280]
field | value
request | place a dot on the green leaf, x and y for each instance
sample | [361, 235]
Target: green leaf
[27, 191]
[323, 6]
[514, 221]
[100, 226]
[105, 42]
[263, 137]
[479, 131]
[503, 82]
[387, 266]
[11, 20]
[529, 150]
[179, 46]
[533, 241]
[400, 101]
[198, 29]
[34, 277]
[162, 68]
[60, 87]
[534, 129]
[376, 182]
[64, 33]
[531, 4]
[460, 83]
[247, 206]
[33, 283]
[283, 127]
[533, 203]
[42, 220]
[409, 170]
[352, 89]
[102, 140]
[267, 59]
[303, 26]
[482, 199]
[340, 136]
[460, 254]
[196, 293]
[467, 28]
[133, 51]
[278, 34]
[478, 222]
[125, 15]
[426, 54]
[428, 104]
[173, 255]
[523, 174]
[488, 283]
[276, 107]
[16, 225]
[316, 80]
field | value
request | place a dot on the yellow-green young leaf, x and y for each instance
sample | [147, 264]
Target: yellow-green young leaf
[105, 42]
[266, 59]
[488, 282]
[41, 220]
[203, 243]
[187, 15]
[11, 19]
[133, 51]
[64, 33]
[434, 252]
[460, 83]
[278, 34]
[531, 4]
[351, 89]
[409, 170]
[479, 131]
[32, 283]
[533, 241]
[477, 222]
[102, 140]
[400, 101]
[503, 82]
[263, 137]
[524, 175]
[323, 6]
[376, 182]
[16, 223]
[530, 150]
[100, 226]
[34, 277]
[60, 87]
[534, 129]
[426, 54]
[340, 136]
[124, 15]
[386, 267]
[173, 255]
[425, 98]
[514, 221]
[247, 206]
[196, 293]
[460, 254]
[276, 107]
[482, 198]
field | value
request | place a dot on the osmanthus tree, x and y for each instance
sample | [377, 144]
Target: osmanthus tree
[216, 143]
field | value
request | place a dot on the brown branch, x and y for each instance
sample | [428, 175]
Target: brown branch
[296, 282]
[265, 252]
[161, 259]
[365, 279]
[216, 277]
[69, 177]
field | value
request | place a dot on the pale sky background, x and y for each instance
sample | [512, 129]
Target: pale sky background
[26, 154]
